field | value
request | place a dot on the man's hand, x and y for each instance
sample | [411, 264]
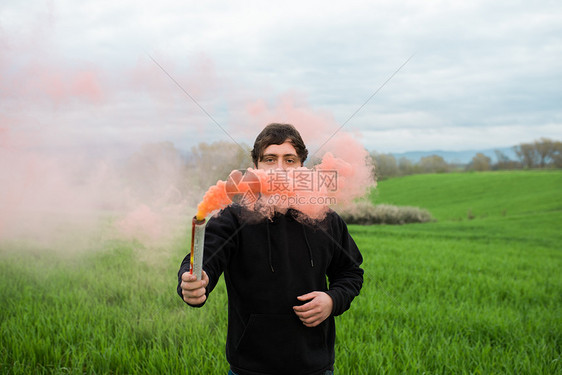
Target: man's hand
[193, 290]
[316, 310]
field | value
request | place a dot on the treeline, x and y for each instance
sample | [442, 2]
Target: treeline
[161, 172]
[542, 153]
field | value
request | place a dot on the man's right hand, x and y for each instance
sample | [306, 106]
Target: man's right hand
[193, 290]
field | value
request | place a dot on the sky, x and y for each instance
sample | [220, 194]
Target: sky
[397, 75]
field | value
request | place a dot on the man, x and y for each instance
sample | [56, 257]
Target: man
[280, 308]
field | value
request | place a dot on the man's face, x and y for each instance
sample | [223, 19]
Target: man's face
[283, 156]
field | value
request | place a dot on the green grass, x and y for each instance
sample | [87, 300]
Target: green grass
[452, 196]
[446, 304]
[457, 296]
[108, 312]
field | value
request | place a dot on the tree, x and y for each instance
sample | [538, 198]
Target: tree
[557, 159]
[212, 162]
[385, 166]
[527, 154]
[406, 166]
[539, 154]
[547, 150]
[504, 162]
[433, 164]
[480, 162]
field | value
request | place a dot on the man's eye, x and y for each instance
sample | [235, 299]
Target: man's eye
[269, 160]
[291, 161]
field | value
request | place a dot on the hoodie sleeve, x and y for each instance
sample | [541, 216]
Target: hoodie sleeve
[345, 275]
[220, 241]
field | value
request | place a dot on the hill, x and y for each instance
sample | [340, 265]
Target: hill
[456, 196]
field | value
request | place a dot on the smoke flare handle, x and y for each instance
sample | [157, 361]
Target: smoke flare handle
[197, 245]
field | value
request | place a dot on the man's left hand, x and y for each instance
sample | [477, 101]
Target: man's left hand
[316, 310]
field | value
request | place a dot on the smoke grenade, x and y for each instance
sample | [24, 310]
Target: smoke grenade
[197, 244]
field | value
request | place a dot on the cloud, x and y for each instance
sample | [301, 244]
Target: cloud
[476, 64]
[455, 138]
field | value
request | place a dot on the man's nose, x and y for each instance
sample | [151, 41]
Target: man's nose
[281, 164]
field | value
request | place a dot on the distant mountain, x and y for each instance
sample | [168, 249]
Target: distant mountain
[456, 157]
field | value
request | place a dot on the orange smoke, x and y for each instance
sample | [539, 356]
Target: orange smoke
[220, 195]
[215, 198]
[270, 191]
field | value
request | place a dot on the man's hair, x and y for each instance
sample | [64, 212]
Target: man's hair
[277, 134]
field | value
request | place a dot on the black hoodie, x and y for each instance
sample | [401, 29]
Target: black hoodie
[266, 266]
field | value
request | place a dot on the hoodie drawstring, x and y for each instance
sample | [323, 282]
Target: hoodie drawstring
[270, 254]
[309, 248]
[269, 247]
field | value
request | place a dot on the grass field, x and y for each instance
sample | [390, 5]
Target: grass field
[477, 292]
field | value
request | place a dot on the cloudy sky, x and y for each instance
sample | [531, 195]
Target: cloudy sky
[398, 75]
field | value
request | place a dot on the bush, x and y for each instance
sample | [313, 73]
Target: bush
[365, 213]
